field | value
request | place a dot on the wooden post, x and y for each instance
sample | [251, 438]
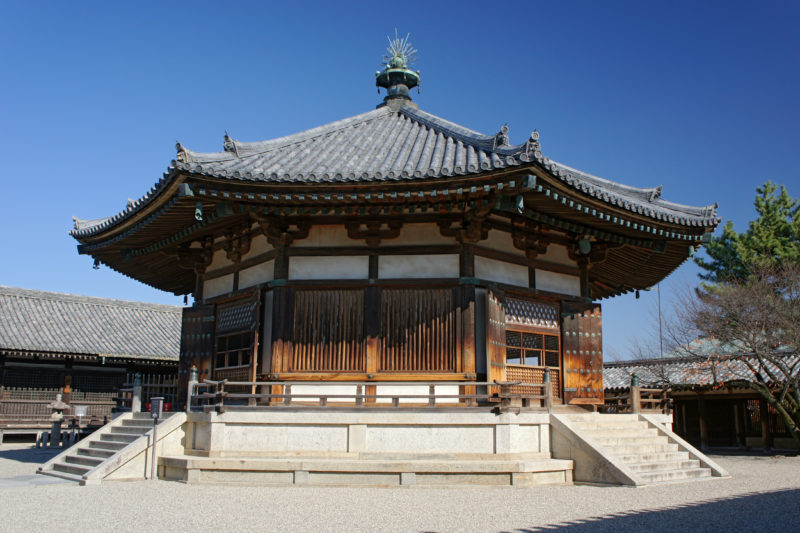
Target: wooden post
[702, 415]
[359, 396]
[548, 391]
[431, 395]
[136, 398]
[287, 399]
[636, 395]
[372, 326]
[468, 351]
[766, 432]
[191, 388]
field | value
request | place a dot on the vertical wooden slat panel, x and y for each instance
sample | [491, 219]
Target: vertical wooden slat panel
[417, 330]
[328, 331]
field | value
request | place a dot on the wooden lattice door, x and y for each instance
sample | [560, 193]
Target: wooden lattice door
[495, 337]
[197, 344]
[583, 354]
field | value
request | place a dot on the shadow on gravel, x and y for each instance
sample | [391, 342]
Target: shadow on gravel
[30, 455]
[755, 511]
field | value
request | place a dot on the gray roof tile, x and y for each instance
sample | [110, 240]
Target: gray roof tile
[39, 321]
[387, 145]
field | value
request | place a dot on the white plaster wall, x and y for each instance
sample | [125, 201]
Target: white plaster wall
[419, 234]
[418, 266]
[501, 241]
[256, 274]
[501, 271]
[416, 390]
[217, 286]
[557, 282]
[341, 267]
[326, 390]
[328, 235]
[219, 261]
[258, 246]
[557, 253]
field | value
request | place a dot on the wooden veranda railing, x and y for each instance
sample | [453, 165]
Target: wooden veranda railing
[227, 395]
[638, 400]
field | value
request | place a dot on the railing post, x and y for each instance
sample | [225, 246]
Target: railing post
[287, 395]
[221, 396]
[359, 395]
[192, 386]
[136, 399]
[431, 395]
[548, 391]
[636, 395]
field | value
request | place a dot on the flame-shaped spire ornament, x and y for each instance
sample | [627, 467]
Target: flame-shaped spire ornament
[397, 77]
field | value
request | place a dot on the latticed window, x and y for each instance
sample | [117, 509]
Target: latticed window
[531, 348]
[234, 349]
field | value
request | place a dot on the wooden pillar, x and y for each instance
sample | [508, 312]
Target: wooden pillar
[738, 427]
[372, 327]
[67, 396]
[281, 266]
[2, 370]
[703, 419]
[766, 432]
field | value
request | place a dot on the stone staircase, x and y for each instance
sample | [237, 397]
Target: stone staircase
[643, 449]
[108, 449]
[635, 450]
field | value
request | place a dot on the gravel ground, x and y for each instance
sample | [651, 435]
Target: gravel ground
[763, 494]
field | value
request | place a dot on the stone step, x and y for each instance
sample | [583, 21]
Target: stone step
[62, 475]
[118, 437]
[675, 475]
[130, 430]
[660, 466]
[634, 458]
[78, 470]
[619, 432]
[107, 445]
[96, 452]
[83, 460]
[135, 422]
[620, 450]
[630, 440]
[610, 424]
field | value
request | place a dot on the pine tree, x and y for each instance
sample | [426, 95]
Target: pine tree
[773, 237]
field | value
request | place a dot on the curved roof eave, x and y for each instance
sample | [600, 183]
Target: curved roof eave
[384, 145]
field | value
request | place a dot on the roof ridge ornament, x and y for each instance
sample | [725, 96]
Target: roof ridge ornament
[229, 145]
[182, 156]
[397, 77]
[501, 139]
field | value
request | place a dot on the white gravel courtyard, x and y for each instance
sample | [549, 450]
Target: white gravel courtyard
[762, 495]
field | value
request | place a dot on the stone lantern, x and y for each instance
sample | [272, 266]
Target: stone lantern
[57, 409]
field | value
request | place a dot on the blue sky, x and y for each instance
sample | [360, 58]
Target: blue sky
[700, 97]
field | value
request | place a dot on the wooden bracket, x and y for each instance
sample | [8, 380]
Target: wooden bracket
[372, 231]
[237, 242]
[280, 233]
[528, 238]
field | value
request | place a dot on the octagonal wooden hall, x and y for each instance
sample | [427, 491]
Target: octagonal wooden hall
[395, 246]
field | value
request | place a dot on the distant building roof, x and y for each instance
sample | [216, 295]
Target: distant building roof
[682, 371]
[40, 323]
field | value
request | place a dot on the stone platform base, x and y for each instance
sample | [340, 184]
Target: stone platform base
[385, 472]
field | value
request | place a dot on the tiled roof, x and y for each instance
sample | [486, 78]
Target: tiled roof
[49, 322]
[682, 371]
[387, 145]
